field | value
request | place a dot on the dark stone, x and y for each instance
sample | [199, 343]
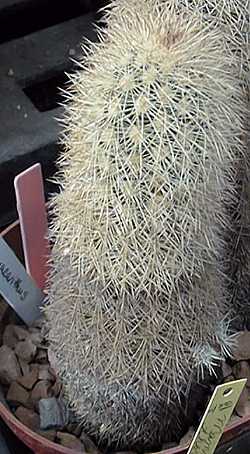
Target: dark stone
[17, 395]
[70, 441]
[28, 417]
[50, 414]
[49, 434]
[9, 336]
[26, 350]
[29, 380]
[9, 367]
[40, 391]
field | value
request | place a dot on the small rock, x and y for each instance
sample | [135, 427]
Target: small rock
[242, 370]
[42, 357]
[11, 72]
[25, 368]
[226, 370]
[36, 338]
[90, 446]
[242, 349]
[28, 381]
[9, 367]
[70, 441]
[26, 350]
[72, 52]
[9, 336]
[243, 405]
[49, 434]
[20, 332]
[45, 373]
[187, 438]
[17, 395]
[41, 391]
[18, 107]
[25, 115]
[28, 417]
[50, 414]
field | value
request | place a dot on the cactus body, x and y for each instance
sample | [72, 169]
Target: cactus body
[233, 19]
[137, 294]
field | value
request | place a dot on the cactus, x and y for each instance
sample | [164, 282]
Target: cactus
[137, 292]
[232, 16]
[233, 19]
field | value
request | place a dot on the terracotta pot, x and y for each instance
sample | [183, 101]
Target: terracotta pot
[41, 445]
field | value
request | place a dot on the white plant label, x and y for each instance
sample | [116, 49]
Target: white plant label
[17, 287]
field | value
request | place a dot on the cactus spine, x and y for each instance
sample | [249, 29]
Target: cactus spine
[152, 135]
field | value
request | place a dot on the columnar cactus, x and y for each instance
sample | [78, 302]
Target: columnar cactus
[137, 294]
[232, 17]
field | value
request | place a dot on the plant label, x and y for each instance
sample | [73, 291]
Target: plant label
[33, 222]
[216, 417]
[17, 287]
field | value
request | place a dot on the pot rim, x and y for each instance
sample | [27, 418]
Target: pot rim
[34, 438]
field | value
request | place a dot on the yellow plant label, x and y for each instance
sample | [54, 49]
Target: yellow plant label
[216, 417]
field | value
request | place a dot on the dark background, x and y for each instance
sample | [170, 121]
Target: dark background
[38, 39]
